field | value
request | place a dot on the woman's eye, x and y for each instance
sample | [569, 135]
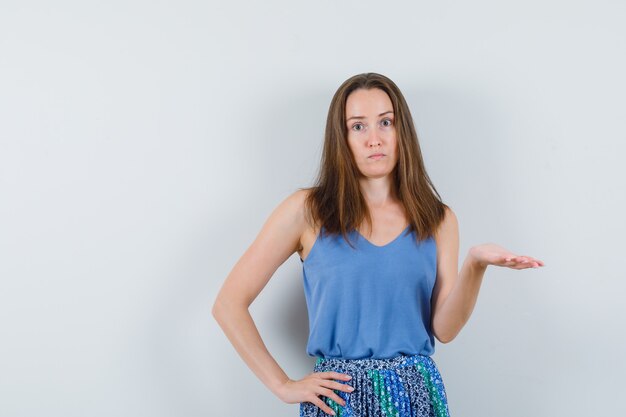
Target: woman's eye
[357, 125]
[387, 122]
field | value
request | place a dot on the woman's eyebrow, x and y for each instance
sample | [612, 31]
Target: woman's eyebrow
[363, 117]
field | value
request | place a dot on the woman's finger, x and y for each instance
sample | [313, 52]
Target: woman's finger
[323, 406]
[526, 264]
[329, 393]
[334, 375]
[522, 262]
[531, 262]
[331, 383]
[337, 385]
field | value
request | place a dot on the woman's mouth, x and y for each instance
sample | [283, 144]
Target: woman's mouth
[376, 156]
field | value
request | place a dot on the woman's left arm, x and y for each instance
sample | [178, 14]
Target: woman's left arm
[455, 294]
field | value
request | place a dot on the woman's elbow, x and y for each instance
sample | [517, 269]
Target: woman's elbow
[224, 308]
[443, 336]
[219, 309]
[445, 339]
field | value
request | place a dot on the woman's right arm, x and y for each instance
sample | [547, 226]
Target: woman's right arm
[278, 239]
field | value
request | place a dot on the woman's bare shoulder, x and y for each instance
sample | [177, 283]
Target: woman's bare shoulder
[449, 216]
[297, 201]
[294, 207]
[449, 223]
[307, 230]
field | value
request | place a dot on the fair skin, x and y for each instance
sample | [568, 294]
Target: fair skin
[371, 130]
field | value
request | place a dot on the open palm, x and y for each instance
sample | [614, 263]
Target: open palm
[492, 254]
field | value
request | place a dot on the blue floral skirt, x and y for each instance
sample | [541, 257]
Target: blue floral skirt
[403, 386]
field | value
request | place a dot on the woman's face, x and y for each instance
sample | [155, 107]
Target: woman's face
[371, 131]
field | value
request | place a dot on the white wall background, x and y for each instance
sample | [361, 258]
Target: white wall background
[143, 144]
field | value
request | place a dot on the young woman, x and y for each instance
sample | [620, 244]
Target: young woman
[379, 251]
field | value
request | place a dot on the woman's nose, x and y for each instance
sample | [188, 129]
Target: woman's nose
[373, 138]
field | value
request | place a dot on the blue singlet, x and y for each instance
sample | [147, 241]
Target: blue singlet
[370, 301]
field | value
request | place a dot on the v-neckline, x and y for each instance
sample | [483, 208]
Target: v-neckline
[386, 244]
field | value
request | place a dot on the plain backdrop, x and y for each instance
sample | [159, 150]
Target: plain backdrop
[143, 144]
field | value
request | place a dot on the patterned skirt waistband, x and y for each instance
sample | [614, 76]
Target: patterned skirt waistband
[396, 362]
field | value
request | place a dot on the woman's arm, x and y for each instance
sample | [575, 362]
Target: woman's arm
[454, 295]
[278, 240]
[275, 243]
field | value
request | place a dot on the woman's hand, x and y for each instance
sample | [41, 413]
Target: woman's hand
[314, 384]
[490, 254]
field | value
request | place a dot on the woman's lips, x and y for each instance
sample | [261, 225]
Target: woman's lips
[376, 156]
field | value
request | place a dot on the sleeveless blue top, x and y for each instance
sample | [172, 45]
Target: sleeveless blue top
[371, 301]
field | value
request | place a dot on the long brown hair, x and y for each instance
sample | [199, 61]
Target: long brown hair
[335, 200]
